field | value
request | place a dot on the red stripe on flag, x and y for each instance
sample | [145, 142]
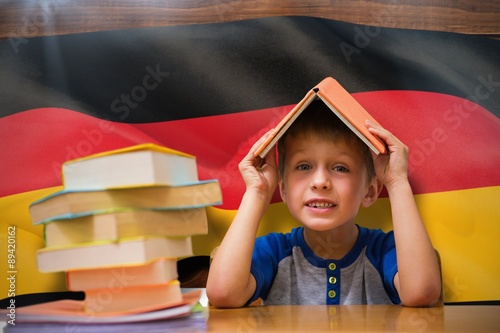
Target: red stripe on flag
[453, 142]
[35, 143]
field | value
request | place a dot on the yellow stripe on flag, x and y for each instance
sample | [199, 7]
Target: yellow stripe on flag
[14, 213]
[463, 225]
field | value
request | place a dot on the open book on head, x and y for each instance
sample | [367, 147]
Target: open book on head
[341, 103]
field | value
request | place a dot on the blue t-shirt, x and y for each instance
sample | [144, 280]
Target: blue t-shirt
[288, 272]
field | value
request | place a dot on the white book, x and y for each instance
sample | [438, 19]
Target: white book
[140, 165]
[132, 251]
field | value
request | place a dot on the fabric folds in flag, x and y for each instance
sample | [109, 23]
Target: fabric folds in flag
[211, 90]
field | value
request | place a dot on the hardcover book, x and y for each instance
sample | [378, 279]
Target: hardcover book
[124, 224]
[342, 104]
[69, 204]
[112, 253]
[154, 272]
[139, 165]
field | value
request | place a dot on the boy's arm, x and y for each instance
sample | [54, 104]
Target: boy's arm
[230, 283]
[418, 280]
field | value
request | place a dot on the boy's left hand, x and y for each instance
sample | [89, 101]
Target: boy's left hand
[393, 166]
[416, 287]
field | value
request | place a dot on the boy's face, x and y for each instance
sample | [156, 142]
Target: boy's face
[325, 182]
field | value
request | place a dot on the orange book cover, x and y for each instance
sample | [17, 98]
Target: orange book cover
[341, 103]
[72, 311]
[154, 272]
[127, 298]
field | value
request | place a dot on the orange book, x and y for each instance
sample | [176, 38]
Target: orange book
[155, 272]
[67, 311]
[116, 299]
[341, 103]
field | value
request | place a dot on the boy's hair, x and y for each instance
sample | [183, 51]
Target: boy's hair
[318, 119]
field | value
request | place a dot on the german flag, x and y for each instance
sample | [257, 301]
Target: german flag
[211, 90]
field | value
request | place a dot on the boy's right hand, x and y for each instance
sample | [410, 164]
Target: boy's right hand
[260, 174]
[230, 282]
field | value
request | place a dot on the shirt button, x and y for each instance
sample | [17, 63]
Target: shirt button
[332, 266]
[332, 293]
[332, 279]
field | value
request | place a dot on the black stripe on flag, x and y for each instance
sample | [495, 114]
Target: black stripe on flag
[169, 73]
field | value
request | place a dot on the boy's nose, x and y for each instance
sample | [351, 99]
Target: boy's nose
[321, 180]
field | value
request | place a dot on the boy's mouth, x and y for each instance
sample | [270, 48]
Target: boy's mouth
[320, 204]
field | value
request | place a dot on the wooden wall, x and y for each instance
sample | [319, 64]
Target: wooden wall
[30, 18]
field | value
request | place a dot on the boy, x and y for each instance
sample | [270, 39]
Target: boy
[326, 173]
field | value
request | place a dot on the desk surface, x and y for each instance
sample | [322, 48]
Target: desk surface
[355, 318]
[302, 318]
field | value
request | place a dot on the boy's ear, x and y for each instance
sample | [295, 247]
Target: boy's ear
[282, 188]
[372, 193]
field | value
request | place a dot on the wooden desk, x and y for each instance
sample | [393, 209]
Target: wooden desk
[355, 318]
[302, 318]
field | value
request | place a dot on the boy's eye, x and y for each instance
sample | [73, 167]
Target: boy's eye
[340, 168]
[303, 167]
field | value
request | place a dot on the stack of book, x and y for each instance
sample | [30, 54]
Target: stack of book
[120, 224]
